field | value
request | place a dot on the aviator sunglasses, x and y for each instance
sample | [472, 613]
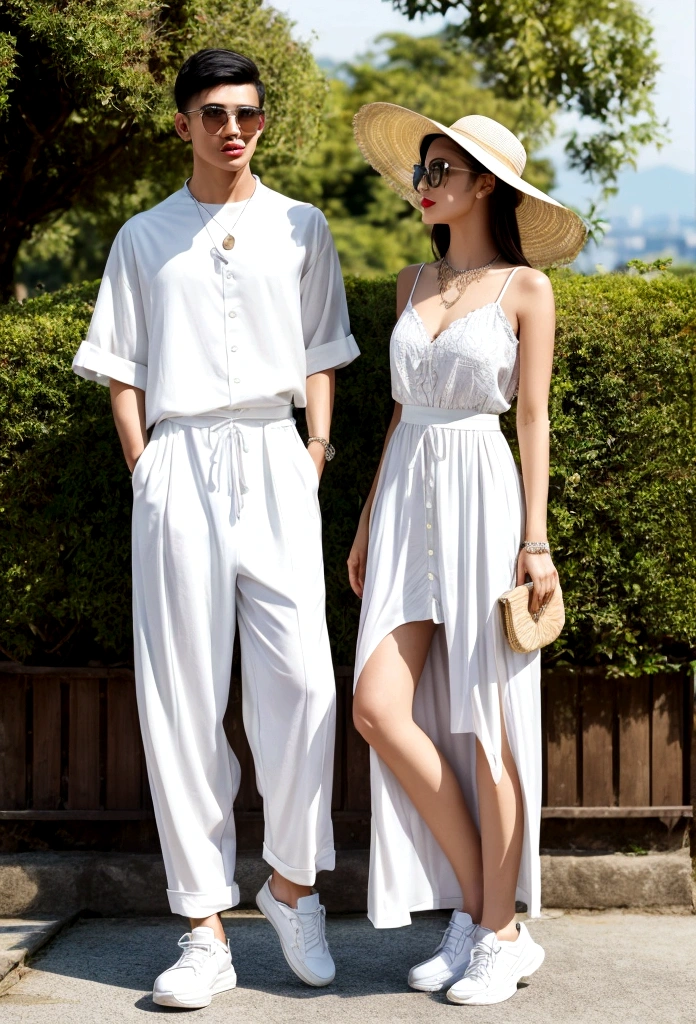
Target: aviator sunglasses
[435, 174]
[214, 117]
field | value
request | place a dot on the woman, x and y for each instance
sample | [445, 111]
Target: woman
[451, 712]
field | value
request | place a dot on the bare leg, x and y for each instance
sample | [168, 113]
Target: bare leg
[502, 830]
[383, 714]
[282, 889]
[213, 922]
[286, 891]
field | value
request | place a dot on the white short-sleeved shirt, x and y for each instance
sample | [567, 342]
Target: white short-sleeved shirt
[200, 336]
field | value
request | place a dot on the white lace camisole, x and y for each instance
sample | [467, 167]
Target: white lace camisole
[472, 364]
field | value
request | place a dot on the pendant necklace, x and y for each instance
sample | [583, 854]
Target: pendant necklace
[229, 240]
[448, 277]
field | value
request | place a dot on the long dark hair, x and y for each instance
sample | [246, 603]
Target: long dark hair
[502, 203]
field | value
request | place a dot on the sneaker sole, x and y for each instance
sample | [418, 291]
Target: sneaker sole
[531, 964]
[424, 986]
[297, 967]
[436, 986]
[225, 981]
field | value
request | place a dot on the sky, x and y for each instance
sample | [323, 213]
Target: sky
[344, 28]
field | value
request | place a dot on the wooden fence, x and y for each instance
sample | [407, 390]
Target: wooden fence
[70, 749]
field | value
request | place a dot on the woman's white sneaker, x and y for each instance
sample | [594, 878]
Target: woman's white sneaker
[495, 967]
[203, 969]
[451, 958]
[302, 935]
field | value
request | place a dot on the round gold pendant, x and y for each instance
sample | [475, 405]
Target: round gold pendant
[228, 242]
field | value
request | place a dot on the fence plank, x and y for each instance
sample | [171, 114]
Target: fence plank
[597, 709]
[357, 777]
[561, 739]
[83, 747]
[248, 798]
[667, 732]
[580, 710]
[13, 732]
[123, 753]
[634, 712]
[46, 743]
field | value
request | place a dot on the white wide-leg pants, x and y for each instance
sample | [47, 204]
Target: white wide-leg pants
[226, 525]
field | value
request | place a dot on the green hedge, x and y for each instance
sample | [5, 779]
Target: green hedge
[622, 519]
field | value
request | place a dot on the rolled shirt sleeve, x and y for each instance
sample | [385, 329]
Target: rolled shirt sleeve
[116, 346]
[325, 324]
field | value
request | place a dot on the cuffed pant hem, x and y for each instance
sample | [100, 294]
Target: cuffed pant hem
[325, 861]
[203, 904]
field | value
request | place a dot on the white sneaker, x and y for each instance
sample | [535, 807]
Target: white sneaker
[495, 968]
[451, 958]
[203, 969]
[302, 935]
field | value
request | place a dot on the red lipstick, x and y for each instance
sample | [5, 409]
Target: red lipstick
[425, 203]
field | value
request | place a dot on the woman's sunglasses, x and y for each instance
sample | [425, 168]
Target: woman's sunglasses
[435, 174]
[215, 117]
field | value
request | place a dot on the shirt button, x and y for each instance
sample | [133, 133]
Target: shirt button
[428, 504]
[228, 275]
[430, 576]
[233, 348]
[232, 313]
[430, 551]
[428, 526]
[236, 380]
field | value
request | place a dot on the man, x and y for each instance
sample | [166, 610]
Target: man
[219, 308]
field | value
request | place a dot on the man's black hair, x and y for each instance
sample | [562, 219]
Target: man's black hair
[208, 68]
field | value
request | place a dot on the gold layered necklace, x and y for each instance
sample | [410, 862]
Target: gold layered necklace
[449, 277]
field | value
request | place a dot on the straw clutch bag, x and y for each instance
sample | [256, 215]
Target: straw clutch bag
[526, 632]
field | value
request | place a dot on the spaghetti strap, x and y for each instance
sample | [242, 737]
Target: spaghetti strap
[508, 279]
[410, 303]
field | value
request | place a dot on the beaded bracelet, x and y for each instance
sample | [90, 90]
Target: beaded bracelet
[536, 547]
[329, 450]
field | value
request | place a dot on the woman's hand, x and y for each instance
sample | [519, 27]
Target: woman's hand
[316, 452]
[541, 570]
[357, 559]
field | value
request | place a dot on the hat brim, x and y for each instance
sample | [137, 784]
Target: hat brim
[389, 137]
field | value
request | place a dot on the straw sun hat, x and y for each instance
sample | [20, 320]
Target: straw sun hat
[390, 137]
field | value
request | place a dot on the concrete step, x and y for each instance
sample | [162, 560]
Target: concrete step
[121, 884]
[20, 938]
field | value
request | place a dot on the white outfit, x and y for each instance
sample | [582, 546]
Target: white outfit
[197, 334]
[226, 522]
[445, 530]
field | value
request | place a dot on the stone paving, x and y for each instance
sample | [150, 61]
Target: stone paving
[602, 968]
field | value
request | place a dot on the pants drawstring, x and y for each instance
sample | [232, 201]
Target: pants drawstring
[230, 439]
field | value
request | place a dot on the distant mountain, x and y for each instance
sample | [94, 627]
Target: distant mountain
[658, 191]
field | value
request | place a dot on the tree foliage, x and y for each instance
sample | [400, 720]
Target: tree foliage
[594, 58]
[376, 232]
[86, 101]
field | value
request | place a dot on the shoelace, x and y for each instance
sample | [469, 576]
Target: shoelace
[481, 962]
[453, 939]
[312, 928]
[196, 953]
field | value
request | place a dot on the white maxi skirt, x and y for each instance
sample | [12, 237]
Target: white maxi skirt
[445, 530]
